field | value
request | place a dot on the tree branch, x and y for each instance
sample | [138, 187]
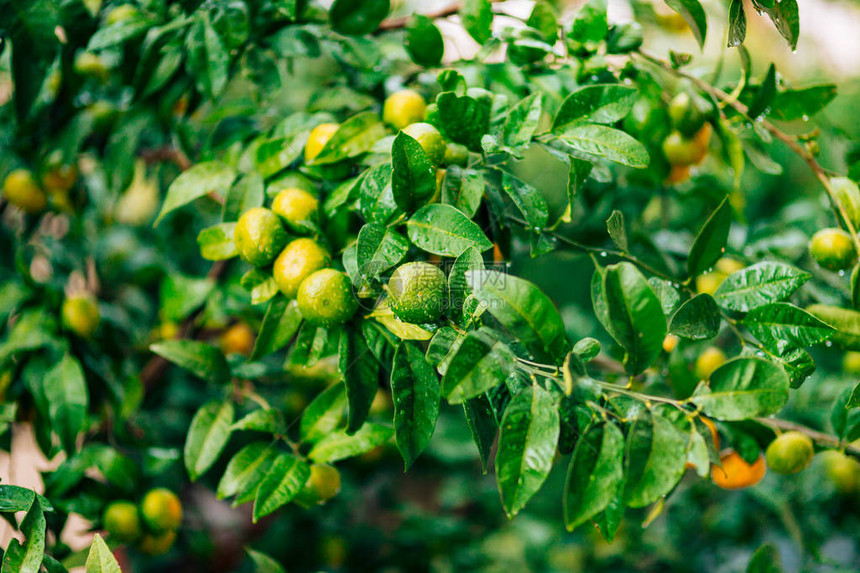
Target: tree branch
[820, 172]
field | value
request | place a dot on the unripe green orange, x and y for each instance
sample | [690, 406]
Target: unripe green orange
[21, 190]
[685, 114]
[91, 65]
[322, 485]
[416, 292]
[790, 453]
[682, 151]
[161, 510]
[300, 259]
[709, 360]
[259, 236]
[403, 108]
[833, 249]
[157, 544]
[122, 521]
[851, 363]
[318, 138]
[297, 208]
[80, 314]
[456, 154]
[841, 470]
[848, 195]
[325, 298]
[430, 139]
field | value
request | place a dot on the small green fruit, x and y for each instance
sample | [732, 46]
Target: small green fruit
[833, 249]
[259, 236]
[416, 292]
[325, 298]
[790, 453]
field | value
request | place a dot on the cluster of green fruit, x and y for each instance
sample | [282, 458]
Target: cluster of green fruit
[687, 144]
[151, 526]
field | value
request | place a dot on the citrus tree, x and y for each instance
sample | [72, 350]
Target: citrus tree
[249, 247]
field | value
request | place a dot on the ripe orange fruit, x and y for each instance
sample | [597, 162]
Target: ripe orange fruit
[735, 473]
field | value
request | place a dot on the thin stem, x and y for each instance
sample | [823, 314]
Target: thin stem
[818, 170]
[819, 437]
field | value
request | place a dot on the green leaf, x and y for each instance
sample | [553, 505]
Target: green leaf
[737, 24]
[359, 370]
[216, 242]
[263, 563]
[354, 136]
[529, 433]
[27, 558]
[206, 57]
[15, 498]
[269, 420]
[617, 232]
[277, 153]
[340, 445]
[323, 415]
[656, 454]
[201, 359]
[415, 393]
[790, 105]
[780, 326]
[210, 429]
[65, 390]
[602, 103]
[458, 288]
[358, 17]
[262, 285]
[286, 477]
[424, 41]
[764, 94]
[203, 178]
[612, 144]
[246, 470]
[480, 363]
[477, 19]
[845, 420]
[760, 284]
[463, 119]
[100, 558]
[280, 324]
[694, 14]
[743, 388]
[697, 319]
[845, 321]
[444, 230]
[765, 560]
[528, 200]
[784, 15]
[544, 19]
[523, 309]
[595, 474]
[522, 120]
[635, 315]
[376, 197]
[710, 243]
[245, 194]
[482, 424]
[463, 189]
[854, 398]
[378, 249]
[413, 176]
[590, 24]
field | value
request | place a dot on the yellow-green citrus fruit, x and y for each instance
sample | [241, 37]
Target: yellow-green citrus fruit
[685, 114]
[790, 453]
[60, 178]
[832, 249]
[21, 190]
[682, 151]
[325, 298]
[157, 544]
[322, 485]
[456, 154]
[297, 208]
[318, 138]
[120, 13]
[709, 360]
[403, 108]
[735, 473]
[80, 314]
[851, 363]
[238, 339]
[300, 259]
[161, 510]
[841, 470]
[122, 522]
[848, 195]
[416, 292]
[430, 139]
[259, 236]
[709, 282]
[670, 342]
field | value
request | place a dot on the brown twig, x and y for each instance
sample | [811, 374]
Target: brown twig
[818, 437]
[818, 170]
[166, 153]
